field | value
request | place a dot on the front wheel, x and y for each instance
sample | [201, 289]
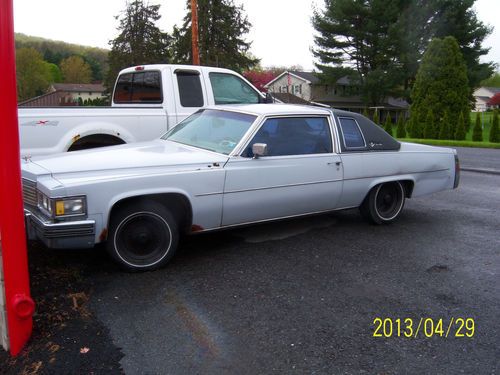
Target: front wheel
[384, 203]
[143, 236]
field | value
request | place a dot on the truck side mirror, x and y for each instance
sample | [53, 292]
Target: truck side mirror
[259, 149]
[269, 98]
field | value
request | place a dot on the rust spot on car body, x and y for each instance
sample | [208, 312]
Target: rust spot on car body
[104, 234]
[196, 228]
[75, 138]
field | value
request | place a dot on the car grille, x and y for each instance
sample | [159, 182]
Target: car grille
[29, 192]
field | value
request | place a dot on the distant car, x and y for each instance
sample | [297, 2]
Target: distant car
[222, 167]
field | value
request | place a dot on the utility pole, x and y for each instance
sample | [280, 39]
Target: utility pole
[194, 32]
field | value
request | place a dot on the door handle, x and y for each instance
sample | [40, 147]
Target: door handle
[337, 163]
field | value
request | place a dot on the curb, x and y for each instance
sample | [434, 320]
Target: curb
[481, 170]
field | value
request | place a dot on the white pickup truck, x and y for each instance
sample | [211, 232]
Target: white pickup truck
[147, 101]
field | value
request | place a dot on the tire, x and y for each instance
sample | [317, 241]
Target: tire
[143, 236]
[384, 203]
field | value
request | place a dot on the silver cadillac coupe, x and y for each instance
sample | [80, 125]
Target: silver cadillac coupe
[221, 167]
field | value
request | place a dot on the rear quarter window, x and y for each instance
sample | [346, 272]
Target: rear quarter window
[351, 134]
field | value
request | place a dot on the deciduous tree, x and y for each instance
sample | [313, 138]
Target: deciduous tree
[75, 70]
[32, 73]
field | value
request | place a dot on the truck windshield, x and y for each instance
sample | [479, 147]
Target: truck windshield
[218, 131]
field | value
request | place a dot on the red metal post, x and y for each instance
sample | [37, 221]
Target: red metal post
[19, 304]
[194, 32]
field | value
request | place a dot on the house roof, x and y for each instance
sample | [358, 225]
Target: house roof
[494, 90]
[309, 77]
[287, 97]
[78, 87]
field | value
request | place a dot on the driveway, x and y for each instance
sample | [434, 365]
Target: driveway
[301, 296]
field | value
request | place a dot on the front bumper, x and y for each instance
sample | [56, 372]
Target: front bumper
[61, 235]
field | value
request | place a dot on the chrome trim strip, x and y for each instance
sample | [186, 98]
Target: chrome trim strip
[282, 186]
[395, 175]
[207, 194]
[273, 219]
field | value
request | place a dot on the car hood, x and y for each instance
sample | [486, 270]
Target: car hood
[117, 159]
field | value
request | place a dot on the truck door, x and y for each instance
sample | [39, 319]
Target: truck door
[188, 91]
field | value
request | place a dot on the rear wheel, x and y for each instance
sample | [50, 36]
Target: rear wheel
[143, 236]
[384, 203]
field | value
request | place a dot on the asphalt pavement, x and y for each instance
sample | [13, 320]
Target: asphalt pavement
[479, 159]
[301, 296]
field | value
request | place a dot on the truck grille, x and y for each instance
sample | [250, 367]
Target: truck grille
[29, 192]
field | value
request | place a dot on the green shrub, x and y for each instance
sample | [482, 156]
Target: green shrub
[460, 130]
[429, 128]
[495, 131]
[477, 131]
[376, 119]
[400, 129]
[388, 125]
[444, 126]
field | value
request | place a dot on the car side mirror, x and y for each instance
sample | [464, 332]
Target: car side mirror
[259, 149]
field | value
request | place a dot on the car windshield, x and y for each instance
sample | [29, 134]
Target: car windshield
[218, 131]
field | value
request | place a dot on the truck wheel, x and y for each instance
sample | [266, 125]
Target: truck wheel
[384, 203]
[143, 236]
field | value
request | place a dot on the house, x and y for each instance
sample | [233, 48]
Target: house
[306, 86]
[482, 96]
[66, 94]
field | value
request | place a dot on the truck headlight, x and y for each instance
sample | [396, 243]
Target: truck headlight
[70, 206]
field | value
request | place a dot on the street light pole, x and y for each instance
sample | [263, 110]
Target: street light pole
[194, 32]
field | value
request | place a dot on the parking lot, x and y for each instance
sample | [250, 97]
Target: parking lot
[298, 296]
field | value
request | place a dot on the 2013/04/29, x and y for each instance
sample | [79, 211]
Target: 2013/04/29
[409, 328]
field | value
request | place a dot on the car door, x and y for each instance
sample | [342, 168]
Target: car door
[301, 173]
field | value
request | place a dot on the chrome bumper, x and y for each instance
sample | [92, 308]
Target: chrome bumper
[61, 235]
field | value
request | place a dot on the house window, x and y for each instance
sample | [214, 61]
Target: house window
[297, 89]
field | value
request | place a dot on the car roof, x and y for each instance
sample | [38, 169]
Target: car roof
[273, 109]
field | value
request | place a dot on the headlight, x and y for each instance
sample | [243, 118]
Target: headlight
[44, 203]
[70, 206]
[62, 207]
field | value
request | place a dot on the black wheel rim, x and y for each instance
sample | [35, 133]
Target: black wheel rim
[143, 239]
[388, 200]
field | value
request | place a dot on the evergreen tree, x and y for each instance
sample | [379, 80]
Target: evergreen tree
[400, 130]
[221, 29]
[495, 130]
[388, 125]
[477, 131]
[441, 82]
[460, 130]
[140, 41]
[444, 126]
[381, 42]
[376, 118]
[429, 129]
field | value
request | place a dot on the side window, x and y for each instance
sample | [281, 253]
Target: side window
[353, 139]
[141, 87]
[230, 89]
[293, 136]
[190, 92]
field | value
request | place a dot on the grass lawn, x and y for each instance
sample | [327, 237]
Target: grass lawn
[488, 118]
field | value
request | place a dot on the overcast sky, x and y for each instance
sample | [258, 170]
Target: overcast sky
[281, 34]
